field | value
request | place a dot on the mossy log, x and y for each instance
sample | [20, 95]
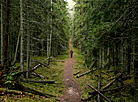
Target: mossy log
[57, 60]
[117, 89]
[99, 93]
[91, 71]
[110, 83]
[37, 75]
[20, 73]
[77, 72]
[39, 81]
[35, 91]
[4, 91]
[92, 94]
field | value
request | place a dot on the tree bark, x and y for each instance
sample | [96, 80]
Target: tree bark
[21, 32]
[2, 33]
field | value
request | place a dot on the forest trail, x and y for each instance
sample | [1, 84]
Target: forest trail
[72, 93]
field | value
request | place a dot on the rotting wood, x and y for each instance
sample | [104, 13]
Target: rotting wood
[39, 81]
[20, 73]
[117, 89]
[4, 91]
[90, 71]
[110, 83]
[38, 75]
[38, 92]
[77, 72]
[92, 94]
[57, 61]
[40, 63]
[99, 93]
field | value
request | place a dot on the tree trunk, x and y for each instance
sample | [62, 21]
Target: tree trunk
[99, 75]
[6, 37]
[21, 32]
[2, 33]
[17, 46]
[28, 46]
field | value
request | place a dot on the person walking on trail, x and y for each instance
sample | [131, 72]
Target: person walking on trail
[71, 53]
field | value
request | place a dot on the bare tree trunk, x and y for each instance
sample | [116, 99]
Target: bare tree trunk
[21, 32]
[99, 75]
[28, 47]
[2, 33]
[7, 31]
[17, 46]
[108, 51]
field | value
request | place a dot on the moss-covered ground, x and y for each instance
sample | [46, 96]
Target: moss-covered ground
[55, 72]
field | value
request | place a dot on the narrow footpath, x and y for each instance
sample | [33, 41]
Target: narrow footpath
[72, 93]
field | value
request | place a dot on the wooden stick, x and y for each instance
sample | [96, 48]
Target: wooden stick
[99, 93]
[38, 75]
[77, 72]
[90, 71]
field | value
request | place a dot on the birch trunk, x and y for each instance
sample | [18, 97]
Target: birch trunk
[21, 33]
[2, 33]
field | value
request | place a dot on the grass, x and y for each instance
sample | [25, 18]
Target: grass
[55, 72]
[124, 95]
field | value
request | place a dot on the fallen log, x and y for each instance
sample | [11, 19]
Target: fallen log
[99, 93]
[38, 92]
[57, 61]
[38, 75]
[77, 72]
[4, 91]
[20, 73]
[112, 90]
[40, 63]
[90, 71]
[110, 83]
[39, 81]
[79, 62]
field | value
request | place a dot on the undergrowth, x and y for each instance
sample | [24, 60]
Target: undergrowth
[55, 72]
[123, 95]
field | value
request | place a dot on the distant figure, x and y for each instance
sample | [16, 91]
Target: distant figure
[71, 53]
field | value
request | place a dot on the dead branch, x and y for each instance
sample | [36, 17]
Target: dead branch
[39, 81]
[112, 90]
[40, 63]
[92, 94]
[38, 92]
[17, 75]
[110, 83]
[57, 60]
[77, 72]
[4, 91]
[38, 75]
[89, 71]
[99, 93]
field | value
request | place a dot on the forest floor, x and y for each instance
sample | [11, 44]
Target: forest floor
[72, 93]
[68, 88]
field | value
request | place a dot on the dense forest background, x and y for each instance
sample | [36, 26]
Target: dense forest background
[104, 31]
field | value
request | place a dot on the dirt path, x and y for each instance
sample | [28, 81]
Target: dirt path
[72, 93]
